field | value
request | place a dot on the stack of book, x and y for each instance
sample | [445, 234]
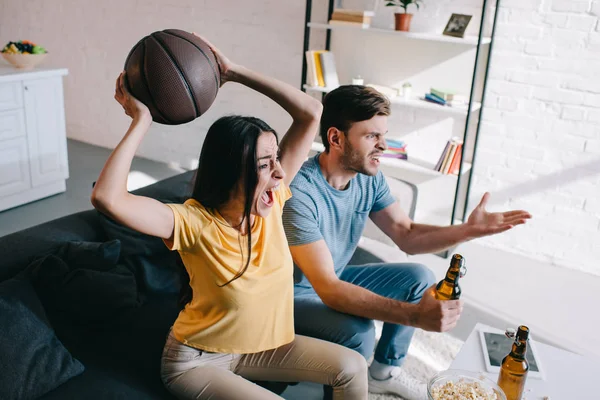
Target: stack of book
[321, 70]
[449, 162]
[396, 149]
[446, 97]
[358, 18]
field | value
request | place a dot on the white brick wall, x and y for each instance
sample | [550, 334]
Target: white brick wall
[554, 81]
[540, 139]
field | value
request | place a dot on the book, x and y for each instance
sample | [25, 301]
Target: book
[448, 160]
[438, 165]
[346, 11]
[330, 76]
[401, 156]
[448, 95]
[355, 24]
[455, 164]
[395, 143]
[311, 72]
[319, 68]
[351, 18]
[397, 149]
[438, 98]
[434, 99]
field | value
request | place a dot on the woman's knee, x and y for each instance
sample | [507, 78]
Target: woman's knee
[352, 368]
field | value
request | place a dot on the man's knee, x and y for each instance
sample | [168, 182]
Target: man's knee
[360, 337]
[423, 275]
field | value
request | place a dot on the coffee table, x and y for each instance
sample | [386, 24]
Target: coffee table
[568, 376]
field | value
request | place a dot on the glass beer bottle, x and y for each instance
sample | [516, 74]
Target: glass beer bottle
[449, 288]
[513, 371]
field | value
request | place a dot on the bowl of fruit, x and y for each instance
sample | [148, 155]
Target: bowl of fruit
[23, 54]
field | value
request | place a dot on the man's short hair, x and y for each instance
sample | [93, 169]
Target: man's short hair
[349, 104]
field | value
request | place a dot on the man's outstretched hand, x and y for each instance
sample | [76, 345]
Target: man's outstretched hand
[484, 223]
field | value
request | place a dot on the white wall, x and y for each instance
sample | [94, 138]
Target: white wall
[93, 38]
[540, 142]
[540, 147]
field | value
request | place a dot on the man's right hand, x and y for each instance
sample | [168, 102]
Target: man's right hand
[437, 315]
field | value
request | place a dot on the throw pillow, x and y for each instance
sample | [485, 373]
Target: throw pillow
[33, 360]
[83, 284]
[154, 265]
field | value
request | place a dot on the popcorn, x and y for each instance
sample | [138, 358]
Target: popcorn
[462, 390]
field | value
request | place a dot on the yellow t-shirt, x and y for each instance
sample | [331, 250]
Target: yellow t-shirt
[256, 311]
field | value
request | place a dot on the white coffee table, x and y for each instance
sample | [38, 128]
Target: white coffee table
[568, 376]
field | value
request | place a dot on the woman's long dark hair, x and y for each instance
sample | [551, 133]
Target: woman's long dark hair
[229, 156]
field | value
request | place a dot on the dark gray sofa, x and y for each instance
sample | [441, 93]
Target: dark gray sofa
[121, 355]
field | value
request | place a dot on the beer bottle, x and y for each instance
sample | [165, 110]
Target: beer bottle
[513, 371]
[448, 288]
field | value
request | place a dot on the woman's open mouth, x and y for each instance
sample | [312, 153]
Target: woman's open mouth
[267, 196]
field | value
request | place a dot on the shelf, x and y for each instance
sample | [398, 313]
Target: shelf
[412, 171]
[317, 88]
[414, 102]
[434, 37]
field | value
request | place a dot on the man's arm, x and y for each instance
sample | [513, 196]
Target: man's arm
[414, 238]
[314, 259]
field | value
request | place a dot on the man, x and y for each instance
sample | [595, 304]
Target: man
[333, 194]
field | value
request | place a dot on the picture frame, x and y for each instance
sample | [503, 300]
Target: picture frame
[495, 345]
[457, 25]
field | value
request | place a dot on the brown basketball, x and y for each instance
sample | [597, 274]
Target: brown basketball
[175, 74]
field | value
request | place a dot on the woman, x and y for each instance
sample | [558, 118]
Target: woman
[239, 324]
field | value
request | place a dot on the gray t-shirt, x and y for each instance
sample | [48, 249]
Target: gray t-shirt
[318, 211]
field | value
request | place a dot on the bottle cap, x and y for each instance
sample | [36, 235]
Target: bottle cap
[457, 258]
[523, 333]
[510, 333]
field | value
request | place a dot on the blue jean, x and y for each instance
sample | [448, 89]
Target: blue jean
[402, 281]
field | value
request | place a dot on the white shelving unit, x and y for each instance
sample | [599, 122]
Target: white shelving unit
[436, 37]
[390, 58]
[413, 102]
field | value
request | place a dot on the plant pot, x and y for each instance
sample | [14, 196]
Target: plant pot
[403, 21]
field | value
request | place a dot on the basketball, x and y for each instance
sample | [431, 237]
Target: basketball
[175, 74]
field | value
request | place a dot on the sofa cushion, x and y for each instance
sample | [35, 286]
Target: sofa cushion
[157, 268]
[21, 248]
[83, 284]
[153, 264]
[33, 360]
[122, 360]
[103, 383]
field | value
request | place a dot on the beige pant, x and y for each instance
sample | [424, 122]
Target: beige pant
[190, 373]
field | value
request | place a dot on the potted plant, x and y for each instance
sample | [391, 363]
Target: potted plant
[402, 18]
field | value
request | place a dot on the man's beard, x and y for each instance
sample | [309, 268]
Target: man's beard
[352, 160]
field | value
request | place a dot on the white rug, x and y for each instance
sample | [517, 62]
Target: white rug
[428, 354]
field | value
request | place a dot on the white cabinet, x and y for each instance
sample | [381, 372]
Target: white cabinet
[33, 143]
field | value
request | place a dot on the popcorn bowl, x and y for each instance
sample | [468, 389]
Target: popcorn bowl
[454, 383]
